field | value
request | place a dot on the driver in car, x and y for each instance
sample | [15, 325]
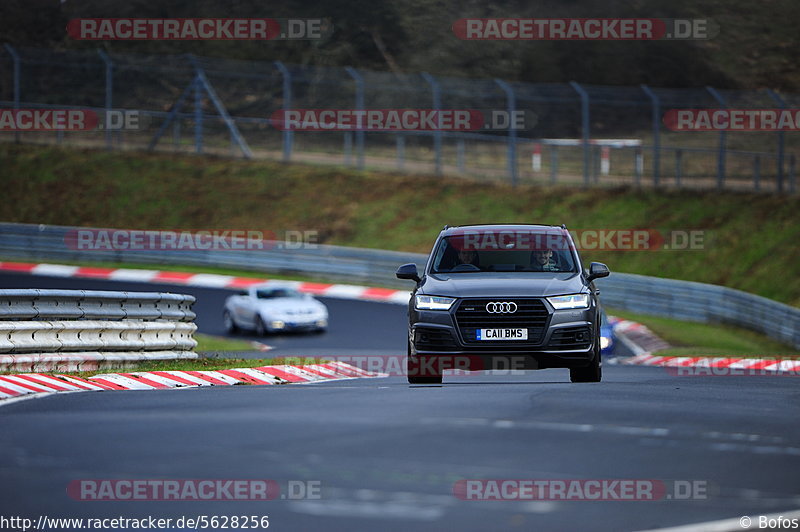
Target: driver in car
[468, 256]
[542, 261]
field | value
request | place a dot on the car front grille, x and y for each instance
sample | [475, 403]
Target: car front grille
[531, 314]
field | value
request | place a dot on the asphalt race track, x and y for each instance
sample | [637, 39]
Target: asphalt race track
[387, 455]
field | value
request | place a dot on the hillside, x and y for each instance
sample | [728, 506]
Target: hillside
[750, 240]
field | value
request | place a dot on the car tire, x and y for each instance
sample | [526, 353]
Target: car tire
[261, 329]
[413, 369]
[230, 325]
[594, 371]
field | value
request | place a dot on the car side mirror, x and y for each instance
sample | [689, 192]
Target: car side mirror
[408, 271]
[596, 271]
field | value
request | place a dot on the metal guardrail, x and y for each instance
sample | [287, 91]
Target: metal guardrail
[32, 304]
[92, 335]
[651, 295]
[47, 242]
[63, 329]
[701, 302]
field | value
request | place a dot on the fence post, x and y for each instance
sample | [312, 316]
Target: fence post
[198, 106]
[288, 134]
[230, 123]
[722, 136]
[656, 119]
[348, 148]
[781, 140]
[109, 93]
[792, 175]
[16, 61]
[460, 156]
[437, 105]
[553, 164]
[585, 130]
[176, 134]
[359, 79]
[401, 151]
[638, 165]
[678, 165]
[511, 107]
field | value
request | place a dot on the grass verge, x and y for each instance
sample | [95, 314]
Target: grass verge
[703, 339]
[207, 342]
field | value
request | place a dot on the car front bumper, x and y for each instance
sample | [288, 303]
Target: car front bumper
[435, 334]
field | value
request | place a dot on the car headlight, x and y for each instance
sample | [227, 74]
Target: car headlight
[569, 302]
[433, 303]
[605, 341]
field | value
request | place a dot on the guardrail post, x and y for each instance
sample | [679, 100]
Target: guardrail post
[722, 139]
[359, 79]
[511, 108]
[656, 119]
[437, 106]
[757, 172]
[781, 140]
[401, 150]
[15, 59]
[585, 129]
[109, 93]
[678, 165]
[288, 134]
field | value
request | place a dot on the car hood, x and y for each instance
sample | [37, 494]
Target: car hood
[502, 285]
[290, 305]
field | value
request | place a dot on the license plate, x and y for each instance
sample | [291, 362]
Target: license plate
[502, 334]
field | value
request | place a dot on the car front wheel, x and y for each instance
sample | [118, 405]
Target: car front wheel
[414, 368]
[591, 373]
[261, 329]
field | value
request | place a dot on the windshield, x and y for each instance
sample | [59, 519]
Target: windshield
[504, 251]
[273, 293]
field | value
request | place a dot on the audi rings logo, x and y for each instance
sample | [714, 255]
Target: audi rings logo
[501, 307]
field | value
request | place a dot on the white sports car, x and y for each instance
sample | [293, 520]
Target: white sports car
[269, 308]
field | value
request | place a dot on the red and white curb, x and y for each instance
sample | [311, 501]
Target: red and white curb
[637, 337]
[26, 384]
[208, 280]
[776, 365]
